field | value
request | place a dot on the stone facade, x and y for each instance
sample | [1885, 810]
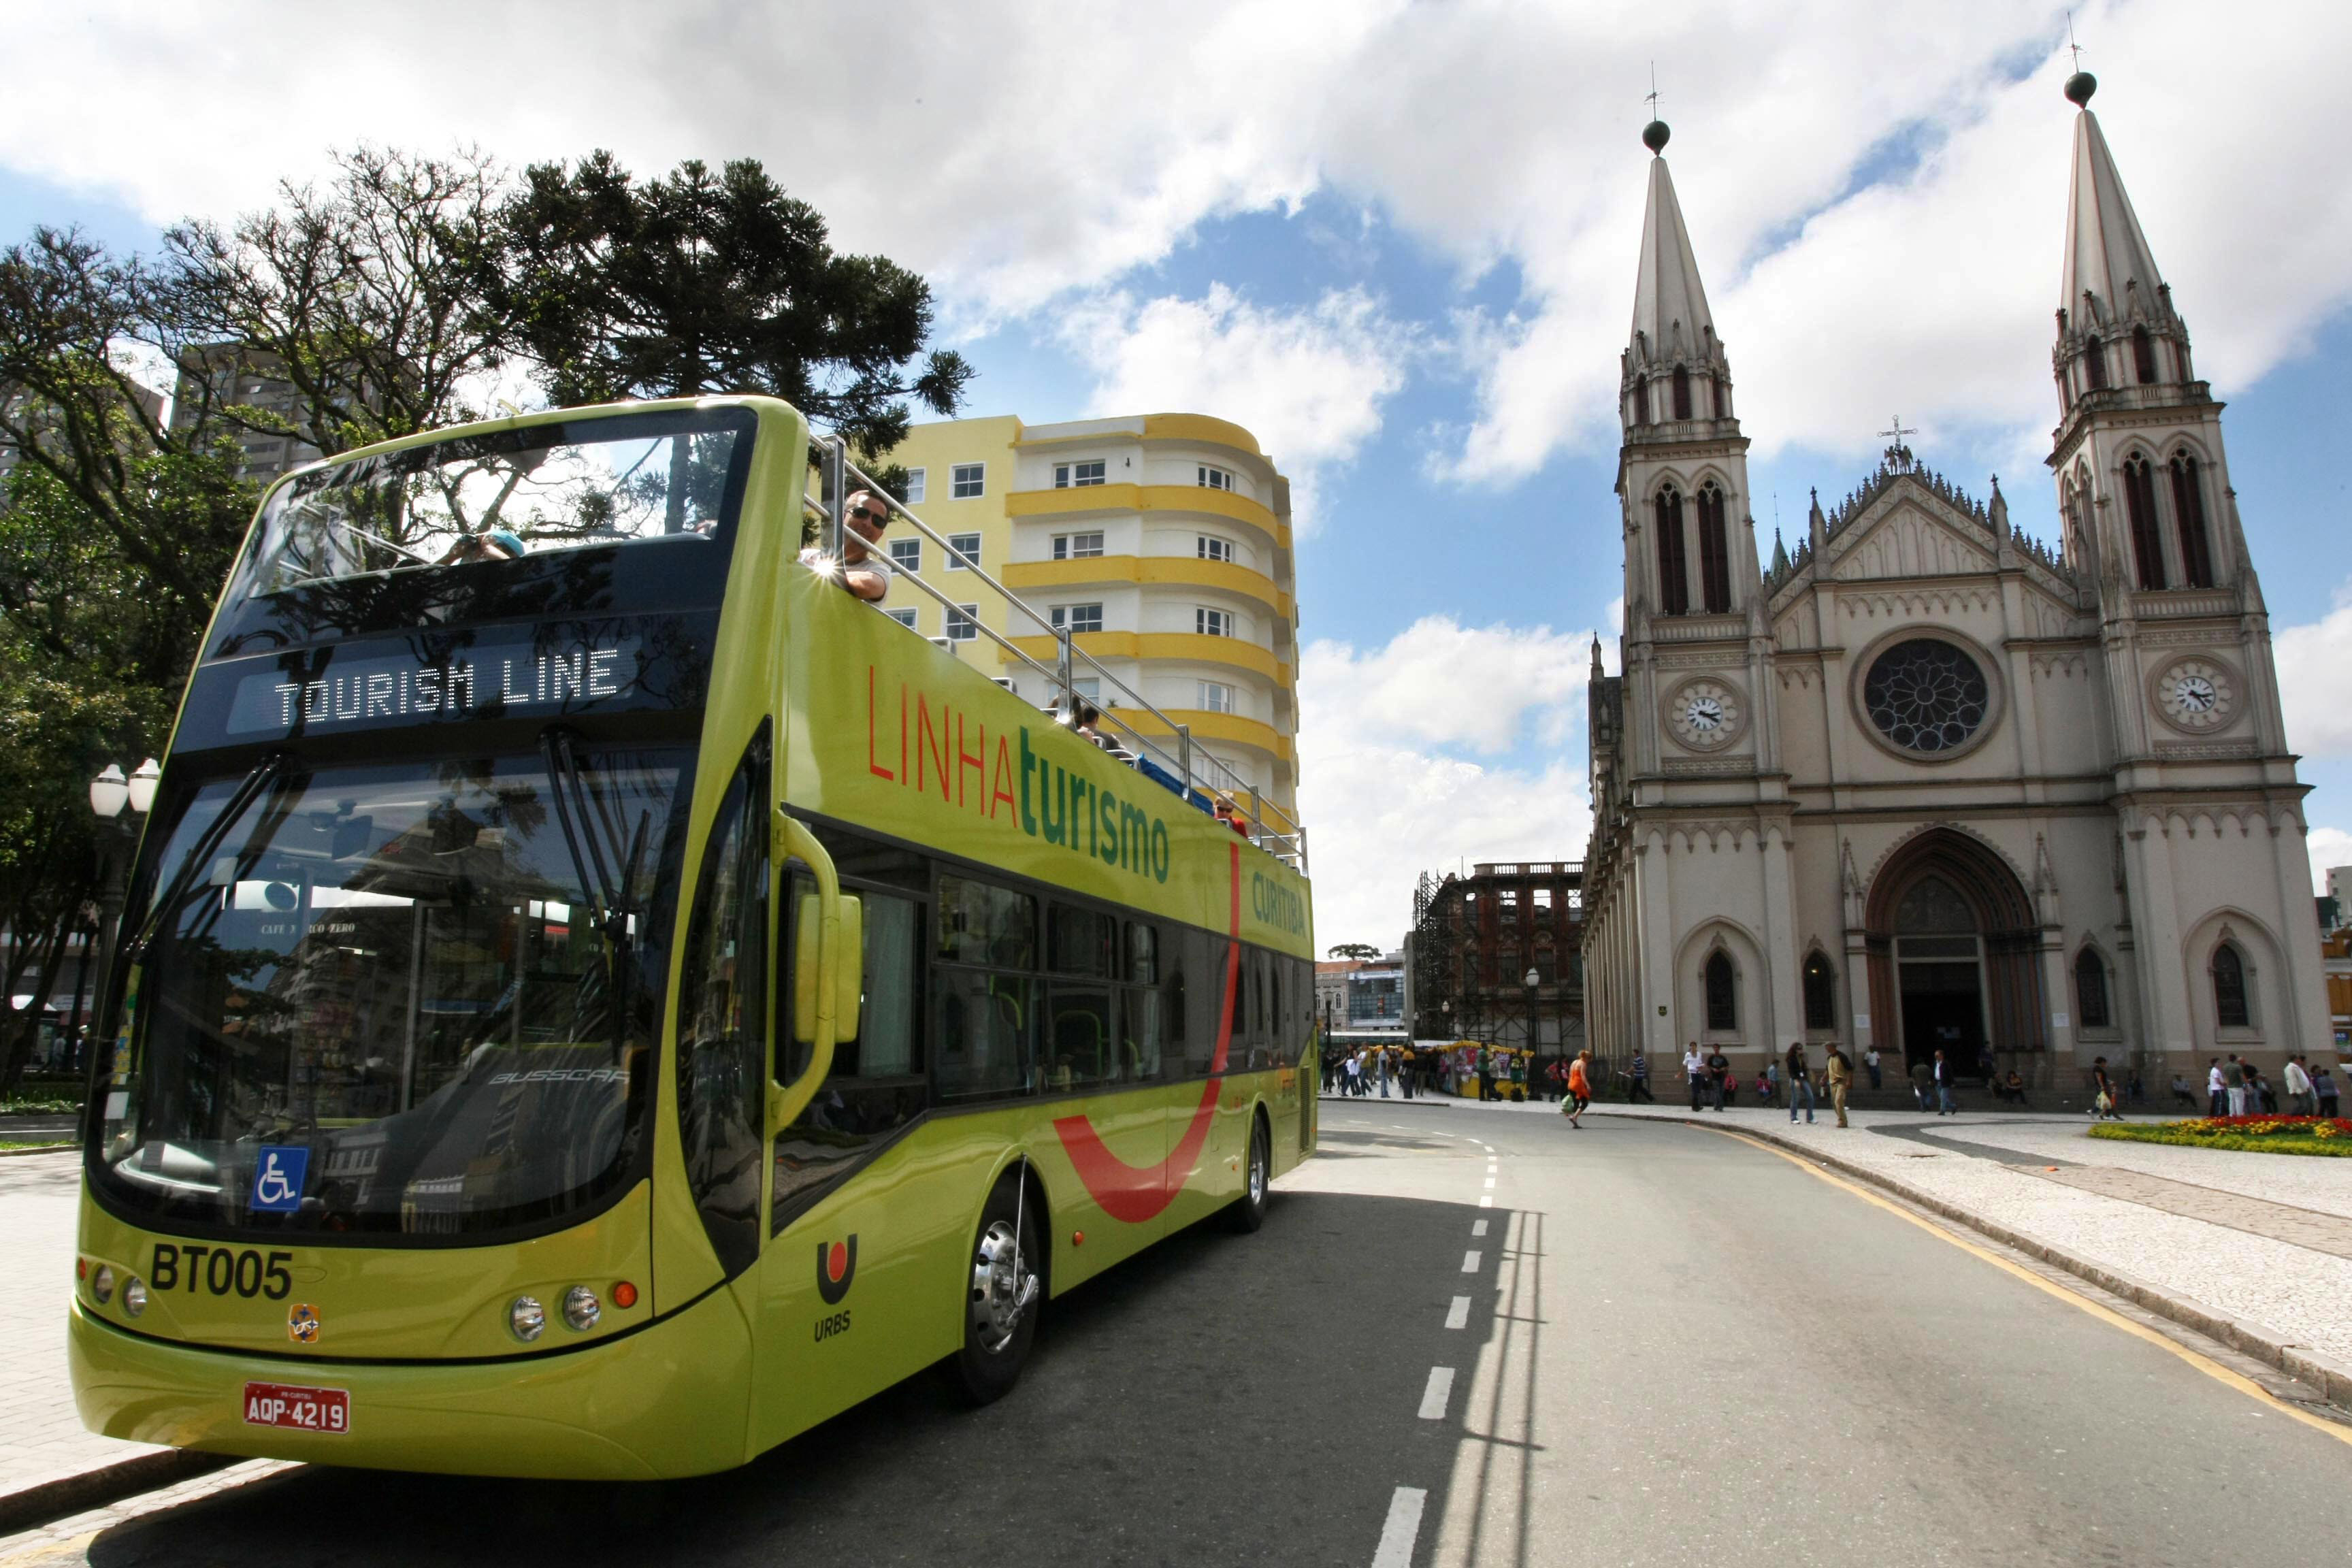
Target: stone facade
[1924, 783]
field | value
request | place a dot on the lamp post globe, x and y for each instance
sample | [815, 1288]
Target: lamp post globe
[110, 792]
[142, 785]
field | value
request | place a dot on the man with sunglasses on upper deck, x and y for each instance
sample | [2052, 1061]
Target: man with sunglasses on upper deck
[865, 515]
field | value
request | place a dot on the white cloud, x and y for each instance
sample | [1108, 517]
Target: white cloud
[2329, 846]
[1309, 384]
[2312, 661]
[1385, 781]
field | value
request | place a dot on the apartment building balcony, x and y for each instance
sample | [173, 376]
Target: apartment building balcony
[1170, 571]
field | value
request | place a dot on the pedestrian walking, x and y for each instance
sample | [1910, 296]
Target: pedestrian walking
[1771, 1081]
[1486, 1074]
[1638, 1075]
[2216, 1089]
[1801, 1082]
[2298, 1089]
[1580, 1088]
[1870, 1062]
[1945, 1104]
[1840, 1071]
[1695, 1068]
[2234, 1076]
[2322, 1085]
[2102, 1104]
[1718, 1073]
[2261, 1100]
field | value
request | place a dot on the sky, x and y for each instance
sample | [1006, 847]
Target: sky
[1397, 241]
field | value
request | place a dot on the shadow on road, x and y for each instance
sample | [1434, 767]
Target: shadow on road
[1220, 1399]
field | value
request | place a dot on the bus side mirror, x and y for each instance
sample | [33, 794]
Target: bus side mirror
[848, 977]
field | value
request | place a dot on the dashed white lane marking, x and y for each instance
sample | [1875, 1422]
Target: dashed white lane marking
[1478, 1228]
[1487, 1202]
[1403, 1531]
[1490, 1182]
[1433, 1398]
[1470, 1263]
[1457, 1316]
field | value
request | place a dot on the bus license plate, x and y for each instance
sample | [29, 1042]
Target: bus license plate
[303, 1409]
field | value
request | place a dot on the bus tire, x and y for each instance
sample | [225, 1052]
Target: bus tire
[1247, 1212]
[1004, 1293]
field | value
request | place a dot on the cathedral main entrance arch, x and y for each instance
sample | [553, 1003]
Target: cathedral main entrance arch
[1954, 949]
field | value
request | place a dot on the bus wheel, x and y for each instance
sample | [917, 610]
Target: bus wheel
[1247, 1212]
[1000, 1320]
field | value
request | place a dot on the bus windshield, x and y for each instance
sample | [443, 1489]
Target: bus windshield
[415, 997]
[497, 497]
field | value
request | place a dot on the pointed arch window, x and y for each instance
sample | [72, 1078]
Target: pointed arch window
[2143, 355]
[1714, 552]
[1821, 992]
[2095, 363]
[2091, 992]
[1722, 994]
[2189, 512]
[2147, 540]
[1641, 400]
[1682, 393]
[1674, 565]
[2230, 1008]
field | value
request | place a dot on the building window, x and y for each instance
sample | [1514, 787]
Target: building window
[1209, 547]
[1076, 475]
[2148, 542]
[1210, 622]
[914, 495]
[906, 555]
[1542, 899]
[2230, 1005]
[2095, 363]
[1682, 393]
[1088, 686]
[966, 481]
[2143, 355]
[1216, 697]
[1722, 994]
[1077, 617]
[963, 552]
[2189, 513]
[2091, 990]
[1077, 546]
[1641, 400]
[1217, 479]
[1714, 552]
[963, 622]
[904, 617]
[1674, 568]
[1821, 993]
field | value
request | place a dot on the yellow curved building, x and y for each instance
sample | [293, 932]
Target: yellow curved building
[1161, 541]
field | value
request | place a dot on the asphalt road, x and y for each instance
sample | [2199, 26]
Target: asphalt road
[1673, 1347]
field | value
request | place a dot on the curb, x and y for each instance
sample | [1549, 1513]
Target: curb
[36, 1149]
[69, 1495]
[2297, 1361]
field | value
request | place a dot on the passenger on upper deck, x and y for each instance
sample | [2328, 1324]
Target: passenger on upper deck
[491, 544]
[865, 515]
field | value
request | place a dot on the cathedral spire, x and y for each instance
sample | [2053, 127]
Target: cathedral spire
[2117, 326]
[1673, 367]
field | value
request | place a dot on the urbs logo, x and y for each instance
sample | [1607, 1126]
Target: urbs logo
[837, 1266]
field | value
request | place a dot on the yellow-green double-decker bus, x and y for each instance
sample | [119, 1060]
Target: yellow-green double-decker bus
[597, 998]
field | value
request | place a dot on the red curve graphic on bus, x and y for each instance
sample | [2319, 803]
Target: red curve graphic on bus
[1137, 1193]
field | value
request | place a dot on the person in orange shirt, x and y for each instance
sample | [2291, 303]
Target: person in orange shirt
[1580, 1088]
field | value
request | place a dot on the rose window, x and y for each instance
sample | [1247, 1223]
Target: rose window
[1925, 696]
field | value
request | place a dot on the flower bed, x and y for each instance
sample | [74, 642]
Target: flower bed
[2260, 1134]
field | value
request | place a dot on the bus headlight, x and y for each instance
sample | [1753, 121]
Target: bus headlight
[134, 1296]
[101, 1284]
[526, 1317]
[581, 1308]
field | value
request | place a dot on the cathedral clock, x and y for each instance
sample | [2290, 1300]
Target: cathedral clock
[1704, 714]
[2196, 695]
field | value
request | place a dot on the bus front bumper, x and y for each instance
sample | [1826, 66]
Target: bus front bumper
[667, 1401]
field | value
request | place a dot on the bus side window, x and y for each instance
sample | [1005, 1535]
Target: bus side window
[987, 1003]
[722, 1020]
[1143, 1026]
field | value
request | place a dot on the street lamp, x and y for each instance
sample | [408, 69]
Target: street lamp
[120, 806]
[1532, 978]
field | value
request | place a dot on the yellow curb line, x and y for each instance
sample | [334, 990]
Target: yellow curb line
[2201, 1362]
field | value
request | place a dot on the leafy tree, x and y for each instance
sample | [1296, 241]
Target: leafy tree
[371, 298]
[698, 282]
[1363, 951]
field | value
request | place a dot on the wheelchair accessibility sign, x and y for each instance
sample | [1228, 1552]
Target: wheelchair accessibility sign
[277, 1181]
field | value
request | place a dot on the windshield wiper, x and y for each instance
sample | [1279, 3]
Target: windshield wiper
[202, 852]
[610, 906]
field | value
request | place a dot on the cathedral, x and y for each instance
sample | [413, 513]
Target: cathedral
[1925, 783]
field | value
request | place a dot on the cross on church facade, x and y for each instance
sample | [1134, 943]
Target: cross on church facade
[1898, 430]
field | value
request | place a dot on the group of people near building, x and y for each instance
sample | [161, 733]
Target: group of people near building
[2234, 1086]
[1713, 1082]
[1371, 1070]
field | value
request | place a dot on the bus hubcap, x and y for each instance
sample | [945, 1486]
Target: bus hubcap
[1258, 1172]
[1002, 1286]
